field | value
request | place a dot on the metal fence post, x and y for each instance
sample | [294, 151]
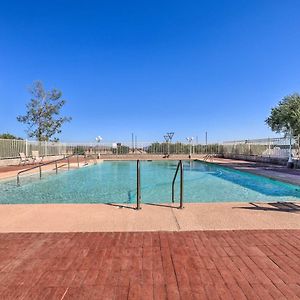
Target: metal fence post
[46, 150]
[26, 147]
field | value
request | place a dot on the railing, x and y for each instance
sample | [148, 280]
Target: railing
[138, 185]
[45, 164]
[12, 148]
[179, 166]
[208, 157]
[90, 156]
[269, 147]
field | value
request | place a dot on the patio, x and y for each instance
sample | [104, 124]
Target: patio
[253, 264]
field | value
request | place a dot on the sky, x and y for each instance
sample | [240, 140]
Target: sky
[150, 67]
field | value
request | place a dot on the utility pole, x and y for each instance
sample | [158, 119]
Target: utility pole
[190, 139]
[98, 140]
[132, 143]
[206, 141]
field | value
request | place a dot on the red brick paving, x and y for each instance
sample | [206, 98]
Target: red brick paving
[261, 264]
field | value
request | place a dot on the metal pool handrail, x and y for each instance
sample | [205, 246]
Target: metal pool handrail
[91, 156]
[47, 163]
[138, 185]
[179, 166]
[208, 157]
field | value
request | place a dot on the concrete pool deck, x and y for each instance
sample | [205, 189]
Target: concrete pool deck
[152, 217]
[277, 172]
[10, 172]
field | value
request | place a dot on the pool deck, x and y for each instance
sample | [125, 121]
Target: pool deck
[152, 217]
[277, 172]
[10, 172]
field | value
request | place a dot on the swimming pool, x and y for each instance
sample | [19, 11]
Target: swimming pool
[115, 181]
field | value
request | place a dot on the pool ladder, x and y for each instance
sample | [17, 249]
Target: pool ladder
[138, 185]
[208, 157]
[179, 166]
[48, 163]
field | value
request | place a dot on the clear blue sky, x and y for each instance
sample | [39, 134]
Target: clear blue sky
[151, 66]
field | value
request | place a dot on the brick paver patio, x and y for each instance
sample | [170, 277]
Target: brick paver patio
[262, 264]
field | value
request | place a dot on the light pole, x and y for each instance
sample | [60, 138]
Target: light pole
[98, 140]
[114, 146]
[206, 142]
[132, 143]
[190, 139]
[167, 141]
[168, 137]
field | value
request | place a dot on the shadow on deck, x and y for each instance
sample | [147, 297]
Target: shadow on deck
[273, 206]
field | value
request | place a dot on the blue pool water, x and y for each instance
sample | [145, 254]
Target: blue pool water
[116, 182]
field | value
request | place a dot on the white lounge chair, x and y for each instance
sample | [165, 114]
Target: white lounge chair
[23, 158]
[36, 157]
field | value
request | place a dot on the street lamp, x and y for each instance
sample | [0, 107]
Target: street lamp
[98, 140]
[206, 142]
[168, 137]
[190, 139]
